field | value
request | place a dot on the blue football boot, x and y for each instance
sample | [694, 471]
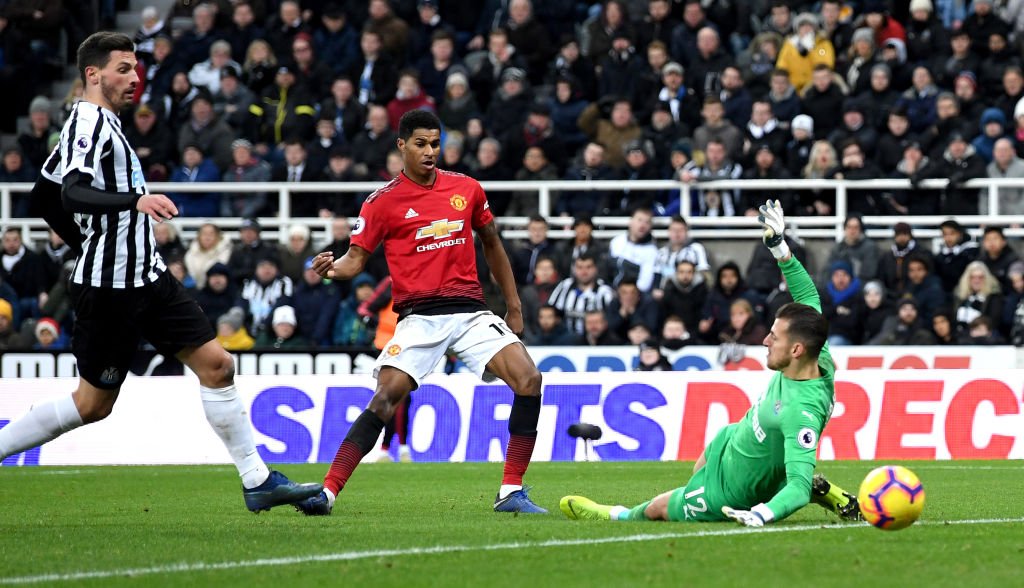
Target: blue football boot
[517, 501]
[315, 506]
[278, 490]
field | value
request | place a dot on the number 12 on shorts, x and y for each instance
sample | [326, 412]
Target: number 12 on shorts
[694, 503]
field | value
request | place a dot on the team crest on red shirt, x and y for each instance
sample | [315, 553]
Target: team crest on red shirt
[394, 350]
[458, 202]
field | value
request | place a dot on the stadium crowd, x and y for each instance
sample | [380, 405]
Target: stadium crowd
[691, 90]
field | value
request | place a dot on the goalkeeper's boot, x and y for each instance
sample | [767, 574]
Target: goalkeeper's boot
[518, 502]
[277, 490]
[834, 499]
[316, 506]
[579, 508]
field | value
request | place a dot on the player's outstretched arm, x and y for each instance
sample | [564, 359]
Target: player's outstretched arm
[349, 266]
[791, 498]
[800, 285]
[497, 260]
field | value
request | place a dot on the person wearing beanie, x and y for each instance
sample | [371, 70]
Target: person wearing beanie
[875, 307]
[283, 332]
[806, 48]
[49, 336]
[218, 294]
[231, 331]
[905, 327]
[36, 138]
[651, 359]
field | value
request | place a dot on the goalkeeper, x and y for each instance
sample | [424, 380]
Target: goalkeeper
[761, 469]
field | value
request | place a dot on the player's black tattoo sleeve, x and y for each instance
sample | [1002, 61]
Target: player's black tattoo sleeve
[78, 196]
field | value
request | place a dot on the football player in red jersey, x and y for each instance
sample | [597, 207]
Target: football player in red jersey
[425, 218]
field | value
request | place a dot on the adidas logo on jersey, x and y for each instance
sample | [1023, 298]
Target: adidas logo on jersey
[411, 213]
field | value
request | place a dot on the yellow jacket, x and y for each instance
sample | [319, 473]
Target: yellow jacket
[801, 66]
[239, 341]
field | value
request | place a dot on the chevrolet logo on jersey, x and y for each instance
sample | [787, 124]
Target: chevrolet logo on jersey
[440, 229]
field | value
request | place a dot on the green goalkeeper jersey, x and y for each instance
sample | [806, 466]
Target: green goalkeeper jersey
[771, 452]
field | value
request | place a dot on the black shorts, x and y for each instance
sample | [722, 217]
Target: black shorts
[109, 323]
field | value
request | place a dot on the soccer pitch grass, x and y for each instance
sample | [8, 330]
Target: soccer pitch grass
[432, 525]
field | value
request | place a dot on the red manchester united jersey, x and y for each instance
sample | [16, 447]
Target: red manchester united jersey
[428, 237]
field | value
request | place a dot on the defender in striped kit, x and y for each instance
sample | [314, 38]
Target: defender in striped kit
[95, 197]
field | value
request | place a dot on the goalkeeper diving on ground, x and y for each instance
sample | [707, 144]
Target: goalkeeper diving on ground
[761, 469]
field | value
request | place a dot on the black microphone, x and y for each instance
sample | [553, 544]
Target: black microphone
[585, 431]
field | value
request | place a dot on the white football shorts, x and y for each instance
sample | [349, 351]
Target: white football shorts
[421, 343]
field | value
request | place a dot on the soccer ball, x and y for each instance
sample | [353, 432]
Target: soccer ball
[891, 497]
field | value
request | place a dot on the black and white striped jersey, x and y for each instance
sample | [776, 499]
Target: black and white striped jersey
[575, 302]
[118, 247]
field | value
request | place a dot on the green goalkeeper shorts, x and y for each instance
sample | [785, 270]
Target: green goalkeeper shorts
[699, 499]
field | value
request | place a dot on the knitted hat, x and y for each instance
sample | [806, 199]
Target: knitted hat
[284, 314]
[47, 325]
[233, 318]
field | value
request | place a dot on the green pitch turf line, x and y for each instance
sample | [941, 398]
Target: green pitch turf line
[441, 549]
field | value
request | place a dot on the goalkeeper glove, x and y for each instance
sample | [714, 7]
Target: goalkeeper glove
[755, 517]
[771, 218]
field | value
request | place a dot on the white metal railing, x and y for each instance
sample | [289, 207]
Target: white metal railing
[513, 227]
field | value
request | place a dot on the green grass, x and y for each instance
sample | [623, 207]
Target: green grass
[114, 519]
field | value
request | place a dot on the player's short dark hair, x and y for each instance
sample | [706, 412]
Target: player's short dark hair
[417, 119]
[95, 49]
[806, 325]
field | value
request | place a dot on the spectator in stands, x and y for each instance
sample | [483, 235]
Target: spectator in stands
[156, 81]
[285, 26]
[569, 64]
[150, 27]
[453, 155]
[317, 302]
[41, 134]
[209, 133]
[905, 328]
[1000, 56]
[176, 106]
[981, 331]
[206, 74]
[894, 56]
[176, 268]
[55, 254]
[260, 66]
[855, 165]
[854, 126]
[168, 241]
[1013, 92]
[924, 287]
[343, 110]
[194, 45]
[14, 168]
[856, 65]
[651, 359]
[821, 161]
[717, 166]
[704, 71]
[231, 331]
[919, 100]
[583, 241]
[245, 168]
[341, 168]
[1013, 296]
[630, 307]
[728, 288]
[736, 100]
[662, 133]
[805, 50]
[196, 168]
[500, 56]
[680, 248]
[436, 63]
[458, 105]
[757, 63]
[914, 166]
[600, 32]
[926, 37]
[610, 122]
[209, 248]
[393, 31]
[596, 331]
[25, 271]
[716, 127]
[972, 103]
[49, 336]
[537, 293]
[620, 68]
[489, 167]
[535, 168]
[764, 276]
[956, 251]
[982, 22]
[798, 148]
[1006, 164]
[875, 309]
[536, 130]
[879, 99]
[248, 251]
[857, 249]
[763, 129]
[892, 267]
[410, 96]
[551, 329]
[283, 333]
[893, 141]
[510, 104]
[318, 150]
[648, 82]
[296, 168]
[526, 254]
[656, 25]
[581, 293]
[765, 166]
[783, 97]
[286, 111]
[295, 252]
[312, 73]
[822, 100]
[638, 166]
[743, 327]
[846, 316]
[263, 292]
[959, 163]
[685, 294]
[675, 335]
[231, 104]
[244, 29]
[993, 128]
[371, 147]
[978, 294]
[997, 255]
[336, 42]
[943, 327]
[530, 37]
[632, 255]
[348, 325]
[947, 122]
[10, 338]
